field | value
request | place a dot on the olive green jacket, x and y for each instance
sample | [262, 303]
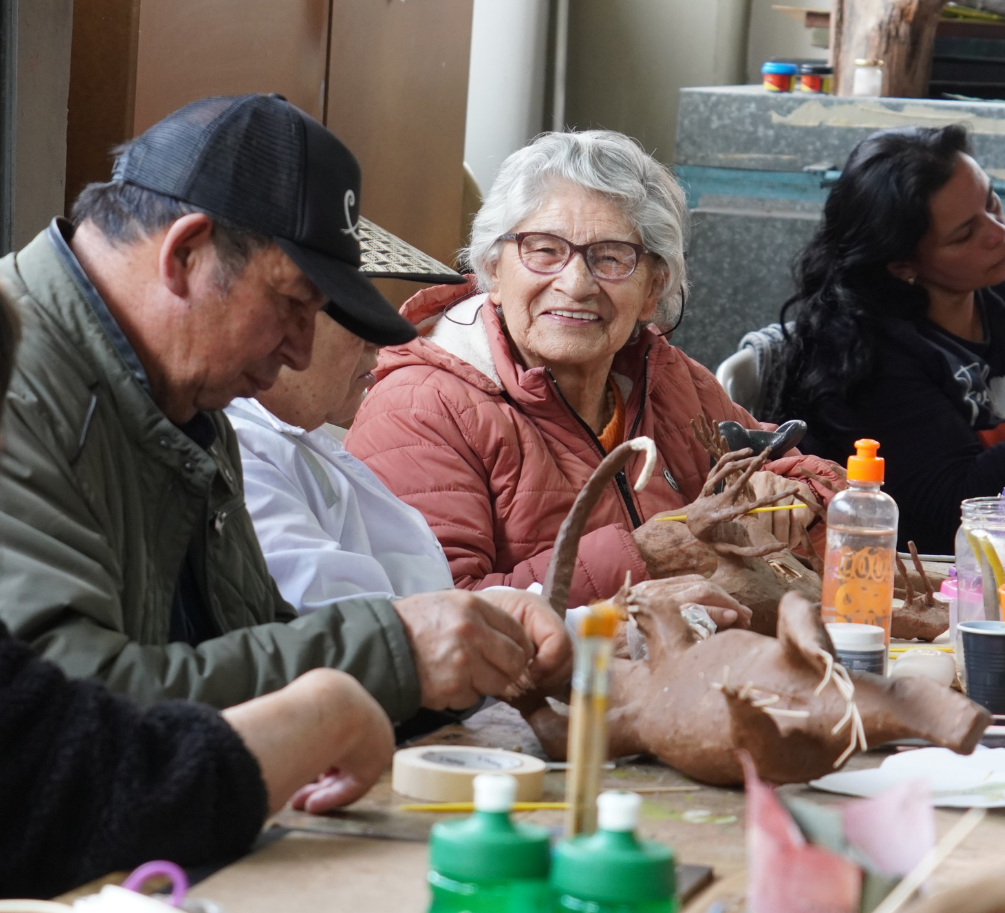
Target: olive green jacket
[100, 497]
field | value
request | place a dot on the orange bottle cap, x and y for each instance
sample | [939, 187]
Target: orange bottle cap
[865, 466]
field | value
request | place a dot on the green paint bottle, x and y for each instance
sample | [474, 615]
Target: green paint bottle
[488, 863]
[612, 871]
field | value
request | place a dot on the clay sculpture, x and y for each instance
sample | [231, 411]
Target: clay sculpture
[922, 616]
[785, 700]
[751, 564]
[776, 442]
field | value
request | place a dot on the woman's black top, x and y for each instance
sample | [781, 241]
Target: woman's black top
[89, 784]
[935, 403]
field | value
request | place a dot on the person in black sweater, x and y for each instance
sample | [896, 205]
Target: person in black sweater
[90, 784]
[899, 331]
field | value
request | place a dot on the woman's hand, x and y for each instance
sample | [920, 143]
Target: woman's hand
[323, 723]
[691, 589]
[668, 547]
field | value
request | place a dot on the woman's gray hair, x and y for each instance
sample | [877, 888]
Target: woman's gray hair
[603, 161]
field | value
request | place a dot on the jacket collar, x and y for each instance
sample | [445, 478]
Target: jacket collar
[58, 286]
[459, 331]
[59, 233]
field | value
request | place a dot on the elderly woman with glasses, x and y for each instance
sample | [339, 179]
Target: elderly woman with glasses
[494, 418]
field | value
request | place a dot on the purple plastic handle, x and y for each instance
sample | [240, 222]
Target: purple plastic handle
[170, 870]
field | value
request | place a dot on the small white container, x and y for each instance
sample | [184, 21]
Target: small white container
[859, 648]
[867, 80]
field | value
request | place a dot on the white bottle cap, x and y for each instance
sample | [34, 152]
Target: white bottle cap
[849, 636]
[618, 811]
[494, 792]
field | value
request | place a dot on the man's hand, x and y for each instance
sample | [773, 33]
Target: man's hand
[552, 664]
[466, 645]
[668, 547]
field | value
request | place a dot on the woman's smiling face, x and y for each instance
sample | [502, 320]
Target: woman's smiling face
[570, 318]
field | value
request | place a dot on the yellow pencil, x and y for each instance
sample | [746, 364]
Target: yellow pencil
[907, 648]
[756, 510]
[470, 807]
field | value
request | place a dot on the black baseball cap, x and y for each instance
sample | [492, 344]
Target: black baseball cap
[265, 165]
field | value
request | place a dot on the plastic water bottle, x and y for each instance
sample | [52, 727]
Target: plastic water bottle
[861, 546]
[611, 870]
[488, 863]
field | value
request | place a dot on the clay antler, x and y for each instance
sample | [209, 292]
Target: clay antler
[558, 578]
[707, 514]
[921, 616]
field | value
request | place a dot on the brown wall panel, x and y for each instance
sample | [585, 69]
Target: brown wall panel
[396, 91]
[397, 96]
[102, 78]
[189, 49]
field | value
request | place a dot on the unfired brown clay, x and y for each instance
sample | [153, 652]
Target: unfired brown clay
[922, 616]
[784, 700]
[694, 702]
[751, 564]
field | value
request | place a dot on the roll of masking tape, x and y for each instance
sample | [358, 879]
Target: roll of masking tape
[445, 773]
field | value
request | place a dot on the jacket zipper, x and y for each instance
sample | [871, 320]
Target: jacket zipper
[621, 479]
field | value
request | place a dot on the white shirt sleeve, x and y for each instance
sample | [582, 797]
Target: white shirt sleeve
[336, 538]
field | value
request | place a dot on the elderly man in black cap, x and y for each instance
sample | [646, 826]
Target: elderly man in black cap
[192, 278]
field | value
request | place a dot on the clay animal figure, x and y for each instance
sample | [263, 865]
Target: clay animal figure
[921, 616]
[785, 700]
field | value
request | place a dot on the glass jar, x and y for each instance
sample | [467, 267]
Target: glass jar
[979, 541]
[867, 80]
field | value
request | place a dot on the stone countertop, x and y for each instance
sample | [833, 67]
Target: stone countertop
[746, 127]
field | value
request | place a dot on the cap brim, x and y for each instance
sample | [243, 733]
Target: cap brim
[353, 299]
[386, 256]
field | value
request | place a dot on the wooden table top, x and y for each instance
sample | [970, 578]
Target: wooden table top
[313, 872]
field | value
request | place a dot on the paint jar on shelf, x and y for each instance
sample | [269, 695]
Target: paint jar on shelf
[867, 80]
[816, 78]
[779, 76]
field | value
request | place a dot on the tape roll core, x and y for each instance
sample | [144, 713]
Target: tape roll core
[446, 773]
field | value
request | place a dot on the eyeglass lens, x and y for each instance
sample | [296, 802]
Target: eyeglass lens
[545, 253]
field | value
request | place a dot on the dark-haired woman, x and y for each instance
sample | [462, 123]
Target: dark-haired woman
[899, 332]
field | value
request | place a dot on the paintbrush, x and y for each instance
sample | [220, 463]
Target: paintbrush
[588, 717]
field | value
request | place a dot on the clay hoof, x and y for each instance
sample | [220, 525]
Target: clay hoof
[784, 438]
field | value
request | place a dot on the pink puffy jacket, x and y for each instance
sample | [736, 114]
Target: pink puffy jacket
[493, 456]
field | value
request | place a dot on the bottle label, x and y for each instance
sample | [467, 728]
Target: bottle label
[858, 586]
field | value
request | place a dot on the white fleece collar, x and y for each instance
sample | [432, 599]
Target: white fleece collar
[461, 332]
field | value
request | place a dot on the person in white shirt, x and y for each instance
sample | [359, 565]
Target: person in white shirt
[328, 526]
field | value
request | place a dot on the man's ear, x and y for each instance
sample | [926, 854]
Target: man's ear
[185, 243]
[904, 270]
